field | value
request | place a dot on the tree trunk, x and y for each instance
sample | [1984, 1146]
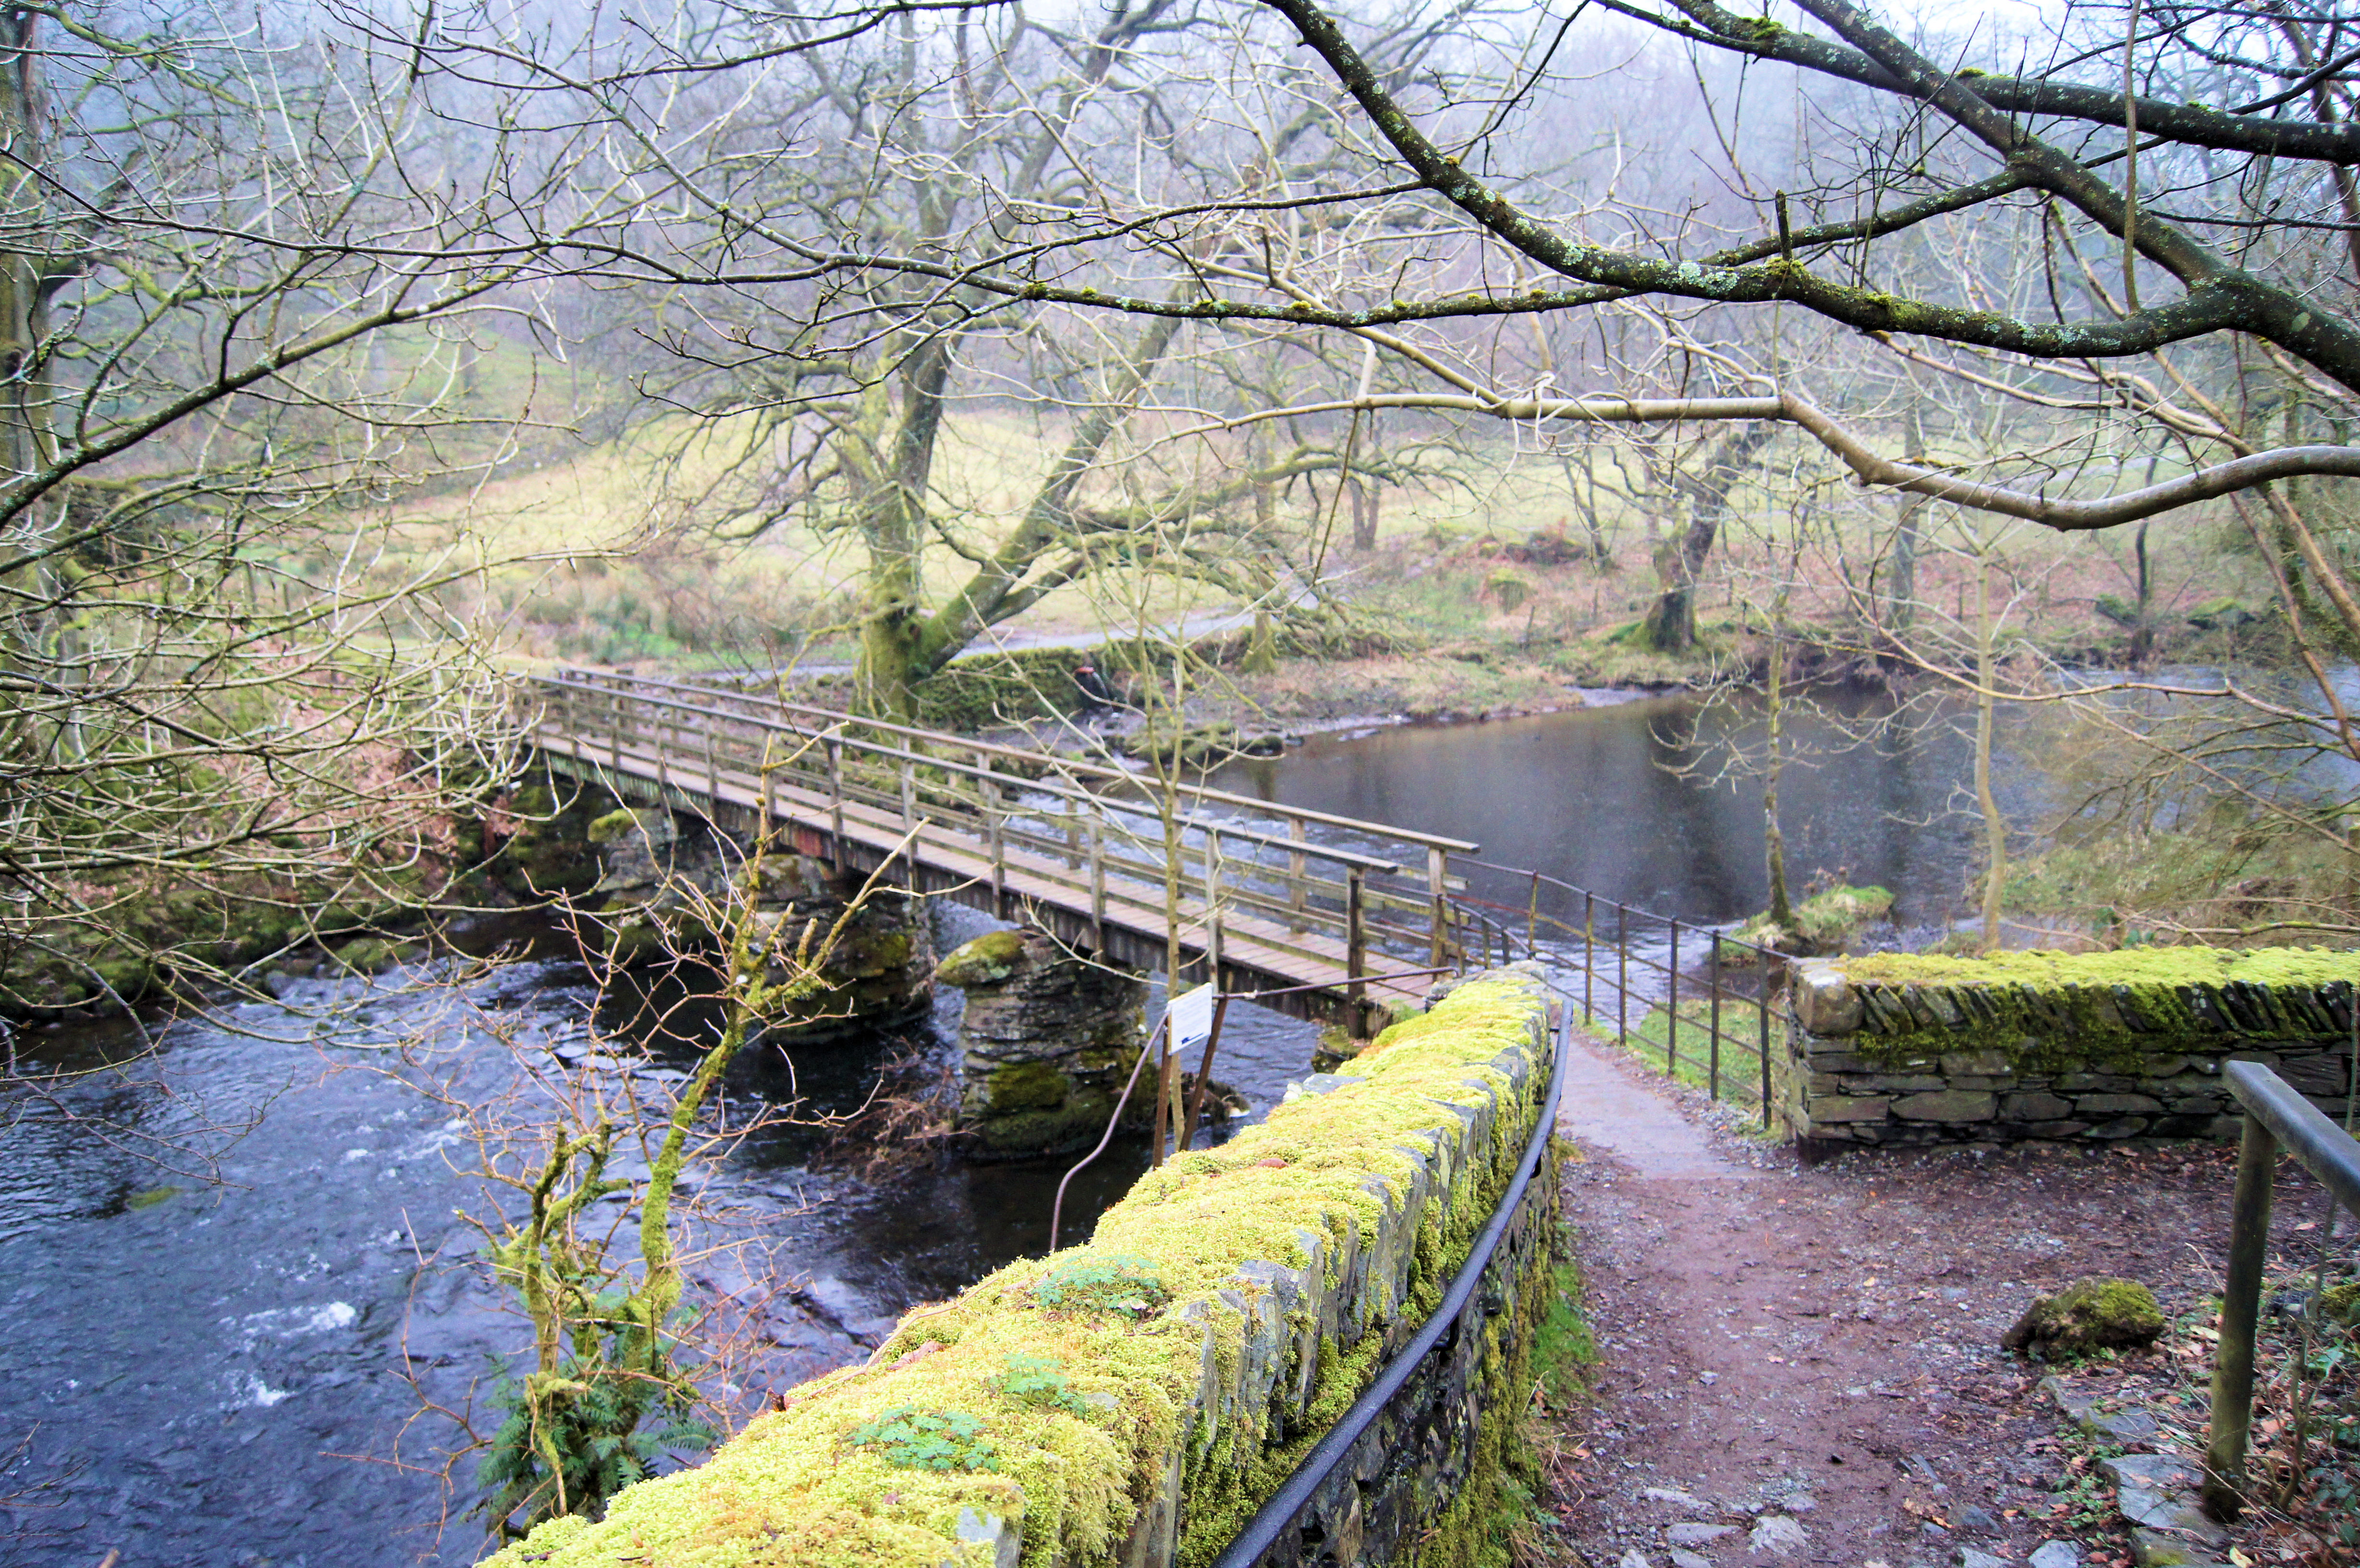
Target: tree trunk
[1671, 624]
[2143, 628]
[1986, 716]
[892, 521]
[1364, 513]
[1908, 540]
[28, 443]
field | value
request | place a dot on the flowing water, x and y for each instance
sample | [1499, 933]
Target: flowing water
[232, 1267]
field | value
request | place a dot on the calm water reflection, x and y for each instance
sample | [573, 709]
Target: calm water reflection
[1636, 799]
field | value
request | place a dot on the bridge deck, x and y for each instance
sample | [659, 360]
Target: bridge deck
[1262, 921]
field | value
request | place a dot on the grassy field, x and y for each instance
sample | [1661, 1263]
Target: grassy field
[607, 554]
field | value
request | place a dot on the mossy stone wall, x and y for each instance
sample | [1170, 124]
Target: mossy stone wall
[1131, 1401]
[1908, 1048]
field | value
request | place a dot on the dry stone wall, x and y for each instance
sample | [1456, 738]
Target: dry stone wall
[1133, 1400]
[1904, 1050]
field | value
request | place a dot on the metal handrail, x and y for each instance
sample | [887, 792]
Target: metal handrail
[2276, 1115]
[1589, 940]
[1272, 1520]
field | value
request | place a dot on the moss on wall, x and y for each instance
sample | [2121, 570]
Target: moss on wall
[2046, 1011]
[1073, 1467]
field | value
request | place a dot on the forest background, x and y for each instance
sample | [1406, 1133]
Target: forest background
[1453, 354]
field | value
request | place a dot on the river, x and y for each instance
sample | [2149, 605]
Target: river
[232, 1270]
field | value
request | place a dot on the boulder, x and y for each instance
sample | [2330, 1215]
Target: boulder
[2090, 1314]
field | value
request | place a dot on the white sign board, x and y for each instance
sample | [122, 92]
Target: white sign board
[1190, 1017]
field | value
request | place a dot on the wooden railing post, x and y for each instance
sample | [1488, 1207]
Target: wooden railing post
[1097, 883]
[1356, 1022]
[987, 796]
[1294, 876]
[1213, 906]
[909, 797]
[615, 729]
[712, 766]
[835, 746]
[1073, 832]
[2241, 1303]
[1438, 882]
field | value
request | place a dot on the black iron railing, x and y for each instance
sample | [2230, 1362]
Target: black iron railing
[1264, 1536]
[1682, 993]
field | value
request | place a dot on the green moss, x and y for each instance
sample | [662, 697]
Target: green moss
[2130, 966]
[1103, 1283]
[613, 825]
[793, 1488]
[986, 961]
[1825, 922]
[2088, 1316]
[151, 1197]
[2048, 1011]
[1025, 1087]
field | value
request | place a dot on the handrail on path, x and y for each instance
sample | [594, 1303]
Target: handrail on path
[2276, 1116]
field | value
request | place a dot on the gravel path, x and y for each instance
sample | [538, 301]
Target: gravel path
[1800, 1364]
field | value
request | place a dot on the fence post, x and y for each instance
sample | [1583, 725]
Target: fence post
[1213, 906]
[1437, 880]
[836, 796]
[1713, 1071]
[1296, 870]
[1097, 883]
[712, 769]
[2241, 1298]
[1589, 957]
[986, 792]
[1622, 974]
[1355, 954]
[1532, 921]
[1764, 1049]
[1672, 1010]
[909, 797]
[615, 729]
[1073, 833]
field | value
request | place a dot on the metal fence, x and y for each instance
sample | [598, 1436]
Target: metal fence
[1681, 994]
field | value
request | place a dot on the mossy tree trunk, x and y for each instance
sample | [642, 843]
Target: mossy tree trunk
[1671, 624]
[28, 443]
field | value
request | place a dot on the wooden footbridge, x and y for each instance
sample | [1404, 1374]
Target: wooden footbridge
[1320, 916]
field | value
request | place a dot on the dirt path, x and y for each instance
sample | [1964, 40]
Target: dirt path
[1801, 1366]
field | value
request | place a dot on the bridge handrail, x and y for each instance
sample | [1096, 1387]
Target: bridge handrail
[592, 678]
[1309, 849]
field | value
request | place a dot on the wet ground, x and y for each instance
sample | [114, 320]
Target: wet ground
[1802, 1365]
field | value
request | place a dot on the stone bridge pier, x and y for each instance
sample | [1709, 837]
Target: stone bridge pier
[663, 878]
[1048, 1041]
